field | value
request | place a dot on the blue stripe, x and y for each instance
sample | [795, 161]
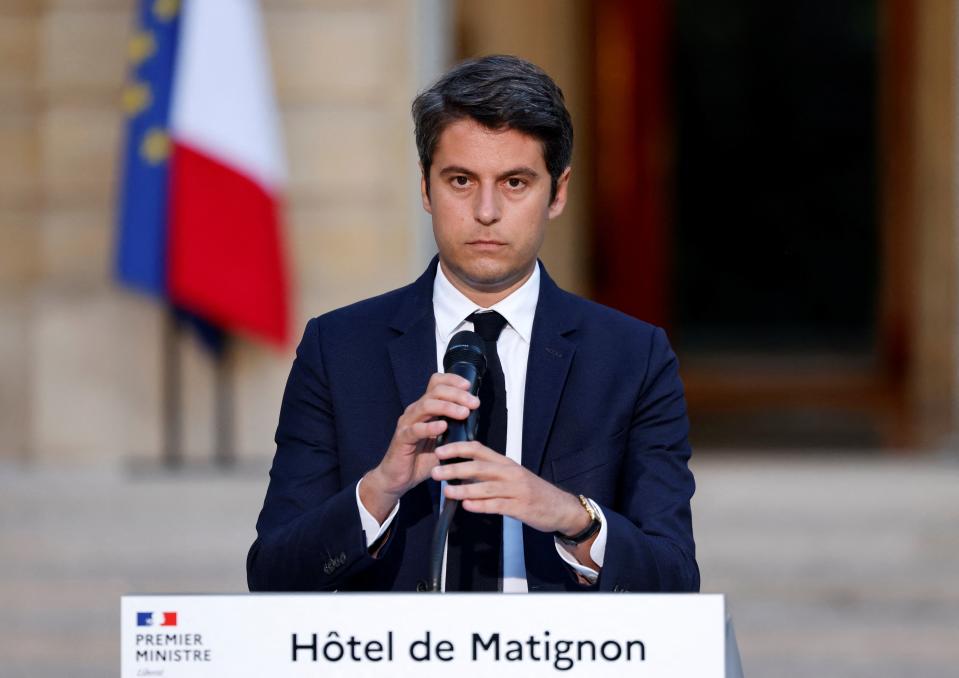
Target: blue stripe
[141, 247]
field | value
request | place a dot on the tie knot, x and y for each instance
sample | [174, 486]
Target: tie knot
[488, 324]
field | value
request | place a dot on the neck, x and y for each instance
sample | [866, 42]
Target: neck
[485, 297]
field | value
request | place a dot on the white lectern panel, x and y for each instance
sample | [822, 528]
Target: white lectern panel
[422, 635]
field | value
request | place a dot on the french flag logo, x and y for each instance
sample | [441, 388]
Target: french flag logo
[156, 618]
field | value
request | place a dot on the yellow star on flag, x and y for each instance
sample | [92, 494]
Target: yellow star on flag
[137, 97]
[164, 10]
[155, 147]
[141, 47]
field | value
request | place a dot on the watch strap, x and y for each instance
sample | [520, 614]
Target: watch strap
[594, 526]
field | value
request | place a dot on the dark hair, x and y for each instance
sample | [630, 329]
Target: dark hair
[499, 92]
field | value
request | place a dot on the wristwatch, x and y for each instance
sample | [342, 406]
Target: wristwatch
[594, 524]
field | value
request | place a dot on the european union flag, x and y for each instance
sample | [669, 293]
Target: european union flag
[144, 205]
[142, 238]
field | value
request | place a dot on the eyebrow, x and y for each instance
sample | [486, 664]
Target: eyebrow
[516, 171]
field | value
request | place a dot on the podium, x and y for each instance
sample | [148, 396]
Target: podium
[422, 635]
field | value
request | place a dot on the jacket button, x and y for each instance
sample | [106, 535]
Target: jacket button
[422, 586]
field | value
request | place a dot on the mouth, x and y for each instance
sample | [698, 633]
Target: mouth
[486, 243]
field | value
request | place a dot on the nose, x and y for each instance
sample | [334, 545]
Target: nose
[487, 207]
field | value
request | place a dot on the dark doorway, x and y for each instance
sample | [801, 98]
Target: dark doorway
[737, 204]
[776, 226]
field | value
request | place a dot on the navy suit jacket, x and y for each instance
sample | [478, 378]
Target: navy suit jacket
[604, 416]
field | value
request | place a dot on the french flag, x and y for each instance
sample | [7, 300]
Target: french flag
[156, 618]
[204, 172]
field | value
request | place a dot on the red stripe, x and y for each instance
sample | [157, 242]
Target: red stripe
[226, 260]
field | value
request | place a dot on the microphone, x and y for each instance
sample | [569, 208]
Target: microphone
[466, 357]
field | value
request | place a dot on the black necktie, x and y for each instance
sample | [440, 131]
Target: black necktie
[474, 556]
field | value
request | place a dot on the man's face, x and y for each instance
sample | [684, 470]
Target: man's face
[490, 201]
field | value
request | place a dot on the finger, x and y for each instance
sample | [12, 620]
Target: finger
[453, 395]
[424, 429]
[482, 490]
[493, 505]
[451, 379]
[468, 470]
[470, 450]
[411, 434]
[433, 407]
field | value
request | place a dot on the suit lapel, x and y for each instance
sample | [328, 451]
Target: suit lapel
[550, 356]
[413, 352]
[413, 356]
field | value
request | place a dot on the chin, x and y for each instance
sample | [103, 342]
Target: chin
[492, 276]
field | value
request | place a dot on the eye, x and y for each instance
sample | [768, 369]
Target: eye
[461, 181]
[515, 183]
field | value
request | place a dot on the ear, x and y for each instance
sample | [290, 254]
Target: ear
[424, 193]
[559, 201]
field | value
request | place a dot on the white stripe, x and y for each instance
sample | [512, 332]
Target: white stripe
[223, 101]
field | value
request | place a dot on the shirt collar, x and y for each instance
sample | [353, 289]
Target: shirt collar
[451, 307]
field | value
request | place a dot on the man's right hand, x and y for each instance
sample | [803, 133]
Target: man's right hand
[410, 457]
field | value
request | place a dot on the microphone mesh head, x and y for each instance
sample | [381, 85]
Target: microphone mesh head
[466, 347]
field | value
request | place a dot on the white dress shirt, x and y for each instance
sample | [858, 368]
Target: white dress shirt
[450, 310]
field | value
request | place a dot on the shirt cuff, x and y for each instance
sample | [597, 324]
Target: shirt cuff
[597, 551]
[372, 529]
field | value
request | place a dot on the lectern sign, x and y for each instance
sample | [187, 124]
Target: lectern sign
[423, 635]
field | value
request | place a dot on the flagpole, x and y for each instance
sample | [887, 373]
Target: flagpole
[223, 453]
[172, 389]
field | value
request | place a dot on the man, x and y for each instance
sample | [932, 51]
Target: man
[578, 478]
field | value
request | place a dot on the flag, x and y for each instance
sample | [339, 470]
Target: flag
[199, 221]
[141, 244]
[156, 618]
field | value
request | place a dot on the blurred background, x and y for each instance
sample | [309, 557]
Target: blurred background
[775, 183]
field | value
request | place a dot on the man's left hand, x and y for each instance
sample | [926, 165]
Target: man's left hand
[494, 483]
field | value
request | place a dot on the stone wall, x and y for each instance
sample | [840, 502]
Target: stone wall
[80, 359]
[553, 34]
